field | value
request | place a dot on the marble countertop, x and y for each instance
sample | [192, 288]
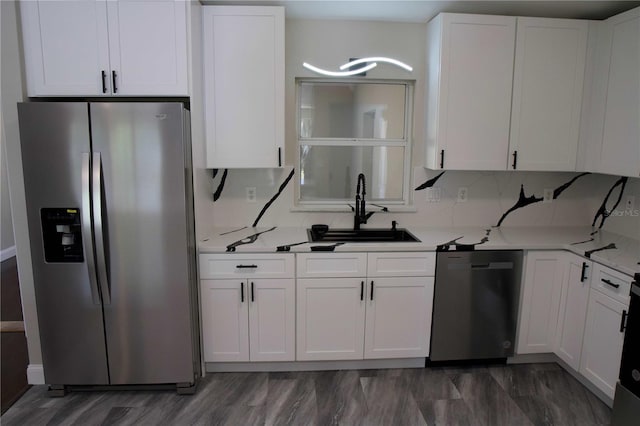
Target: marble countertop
[616, 251]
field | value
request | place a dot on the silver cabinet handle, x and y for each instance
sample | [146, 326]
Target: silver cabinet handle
[86, 228]
[97, 228]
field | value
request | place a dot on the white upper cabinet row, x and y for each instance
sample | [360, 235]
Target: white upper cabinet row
[507, 93]
[105, 48]
[504, 92]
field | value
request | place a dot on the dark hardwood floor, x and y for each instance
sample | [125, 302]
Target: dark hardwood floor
[538, 394]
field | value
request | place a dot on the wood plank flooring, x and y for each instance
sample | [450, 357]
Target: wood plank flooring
[526, 394]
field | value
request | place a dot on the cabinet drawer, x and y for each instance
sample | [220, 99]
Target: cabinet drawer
[401, 264]
[331, 265]
[246, 266]
[612, 283]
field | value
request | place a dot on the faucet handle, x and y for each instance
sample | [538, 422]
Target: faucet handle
[393, 225]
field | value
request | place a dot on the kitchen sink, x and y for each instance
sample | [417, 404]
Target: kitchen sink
[371, 235]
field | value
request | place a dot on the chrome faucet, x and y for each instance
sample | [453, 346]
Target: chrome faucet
[361, 216]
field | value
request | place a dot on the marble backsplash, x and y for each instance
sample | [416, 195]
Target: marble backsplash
[507, 198]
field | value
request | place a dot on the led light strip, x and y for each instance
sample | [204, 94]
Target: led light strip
[370, 62]
[339, 73]
[377, 59]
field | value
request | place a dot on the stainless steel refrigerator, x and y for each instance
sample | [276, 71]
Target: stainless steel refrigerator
[110, 213]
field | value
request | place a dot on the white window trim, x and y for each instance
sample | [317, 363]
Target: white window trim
[341, 205]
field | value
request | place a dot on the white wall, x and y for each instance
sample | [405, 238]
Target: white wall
[13, 92]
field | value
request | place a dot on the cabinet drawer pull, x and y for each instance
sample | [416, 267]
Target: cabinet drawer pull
[104, 81]
[371, 289]
[361, 290]
[442, 159]
[515, 160]
[246, 266]
[279, 157]
[623, 322]
[608, 282]
[252, 298]
[113, 80]
[583, 274]
[241, 292]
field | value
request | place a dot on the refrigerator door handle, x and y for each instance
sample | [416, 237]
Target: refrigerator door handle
[86, 228]
[98, 228]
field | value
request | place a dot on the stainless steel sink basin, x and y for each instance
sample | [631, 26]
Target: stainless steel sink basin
[362, 236]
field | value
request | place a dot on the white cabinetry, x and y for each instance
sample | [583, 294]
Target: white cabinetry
[248, 307]
[244, 86]
[96, 48]
[547, 93]
[620, 153]
[469, 77]
[603, 339]
[475, 121]
[573, 309]
[543, 278]
[346, 313]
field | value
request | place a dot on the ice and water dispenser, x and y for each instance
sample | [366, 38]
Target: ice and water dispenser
[62, 235]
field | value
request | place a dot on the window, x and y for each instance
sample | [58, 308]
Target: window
[348, 127]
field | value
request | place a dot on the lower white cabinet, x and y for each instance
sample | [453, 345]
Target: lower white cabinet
[542, 289]
[248, 320]
[330, 318]
[573, 309]
[346, 313]
[398, 317]
[603, 339]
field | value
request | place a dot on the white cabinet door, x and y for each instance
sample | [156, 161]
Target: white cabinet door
[148, 47]
[272, 320]
[330, 318]
[547, 93]
[620, 152]
[225, 320]
[66, 47]
[573, 309]
[602, 347]
[398, 317]
[244, 85]
[469, 78]
[540, 302]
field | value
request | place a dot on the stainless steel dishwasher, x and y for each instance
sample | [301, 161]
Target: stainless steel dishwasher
[475, 307]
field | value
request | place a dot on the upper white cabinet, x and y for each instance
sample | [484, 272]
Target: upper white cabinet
[244, 86]
[620, 151]
[547, 93]
[105, 48]
[469, 77]
[484, 112]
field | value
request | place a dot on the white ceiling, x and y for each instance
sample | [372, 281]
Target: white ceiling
[424, 10]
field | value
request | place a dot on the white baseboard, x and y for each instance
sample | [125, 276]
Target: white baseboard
[215, 367]
[7, 253]
[35, 374]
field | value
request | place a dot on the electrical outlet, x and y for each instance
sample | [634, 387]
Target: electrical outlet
[548, 195]
[462, 194]
[433, 195]
[251, 194]
[630, 203]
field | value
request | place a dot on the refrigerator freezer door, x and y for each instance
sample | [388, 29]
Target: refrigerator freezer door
[144, 225]
[54, 136]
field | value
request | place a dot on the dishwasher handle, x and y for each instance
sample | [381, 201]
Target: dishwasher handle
[481, 266]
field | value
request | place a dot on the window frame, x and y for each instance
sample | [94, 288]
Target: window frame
[406, 142]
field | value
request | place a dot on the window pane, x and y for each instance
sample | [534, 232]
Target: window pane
[352, 110]
[330, 172]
